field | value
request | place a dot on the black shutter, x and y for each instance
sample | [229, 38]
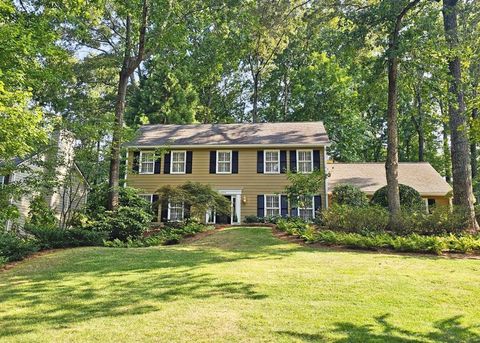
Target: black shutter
[188, 167]
[260, 161]
[283, 161]
[260, 206]
[164, 214]
[317, 203]
[316, 159]
[284, 206]
[157, 166]
[293, 161]
[213, 162]
[155, 206]
[136, 161]
[234, 162]
[166, 163]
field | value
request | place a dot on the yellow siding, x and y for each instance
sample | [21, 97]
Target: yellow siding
[247, 180]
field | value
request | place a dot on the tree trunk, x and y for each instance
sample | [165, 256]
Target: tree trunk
[391, 165]
[462, 176]
[419, 124]
[114, 175]
[446, 154]
[256, 81]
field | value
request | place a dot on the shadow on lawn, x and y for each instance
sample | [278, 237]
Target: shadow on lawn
[82, 284]
[449, 330]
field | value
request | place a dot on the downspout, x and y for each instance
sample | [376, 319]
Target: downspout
[326, 175]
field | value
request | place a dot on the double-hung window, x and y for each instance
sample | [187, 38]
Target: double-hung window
[178, 162]
[272, 205]
[147, 162]
[304, 161]
[272, 161]
[224, 162]
[147, 197]
[305, 208]
[175, 211]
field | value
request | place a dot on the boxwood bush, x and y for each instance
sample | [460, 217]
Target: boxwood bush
[349, 195]
[410, 199]
[15, 248]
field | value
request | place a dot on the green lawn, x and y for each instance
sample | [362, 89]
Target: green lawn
[240, 284]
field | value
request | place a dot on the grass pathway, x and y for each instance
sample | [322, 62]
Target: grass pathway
[237, 285]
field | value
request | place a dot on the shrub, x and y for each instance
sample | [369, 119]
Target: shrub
[171, 233]
[349, 195]
[253, 219]
[441, 221]
[292, 226]
[126, 222]
[14, 248]
[354, 219]
[409, 198]
[40, 214]
[52, 237]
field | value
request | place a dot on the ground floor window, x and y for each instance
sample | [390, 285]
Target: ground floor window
[210, 217]
[147, 197]
[306, 209]
[175, 211]
[272, 205]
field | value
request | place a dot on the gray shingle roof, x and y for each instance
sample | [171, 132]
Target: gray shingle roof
[371, 176]
[300, 133]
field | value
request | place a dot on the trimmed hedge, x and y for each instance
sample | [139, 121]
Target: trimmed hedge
[14, 248]
[409, 198]
[349, 195]
[53, 238]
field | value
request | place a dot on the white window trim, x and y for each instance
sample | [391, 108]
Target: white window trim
[140, 171]
[298, 161]
[305, 208]
[265, 162]
[216, 164]
[2, 180]
[183, 212]
[279, 204]
[184, 152]
[150, 195]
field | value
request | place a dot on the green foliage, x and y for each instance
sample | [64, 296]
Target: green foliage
[197, 196]
[15, 248]
[52, 237]
[349, 195]
[169, 234]
[126, 222]
[410, 199]
[354, 219]
[40, 214]
[304, 186]
[293, 226]
[378, 241]
[440, 221]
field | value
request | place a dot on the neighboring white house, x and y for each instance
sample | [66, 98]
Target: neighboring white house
[69, 189]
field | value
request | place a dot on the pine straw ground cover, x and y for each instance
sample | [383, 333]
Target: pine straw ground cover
[239, 284]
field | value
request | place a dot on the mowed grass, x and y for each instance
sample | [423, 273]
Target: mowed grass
[238, 285]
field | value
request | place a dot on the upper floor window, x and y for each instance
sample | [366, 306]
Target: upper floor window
[175, 211]
[272, 205]
[272, 161]
[147, 162]
[304, 161]
[306, 209]
[178, 162]
[224, 162]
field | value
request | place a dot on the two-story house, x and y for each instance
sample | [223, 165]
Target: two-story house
[247, 163]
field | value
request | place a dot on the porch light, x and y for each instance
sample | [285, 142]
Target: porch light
[244, 199]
